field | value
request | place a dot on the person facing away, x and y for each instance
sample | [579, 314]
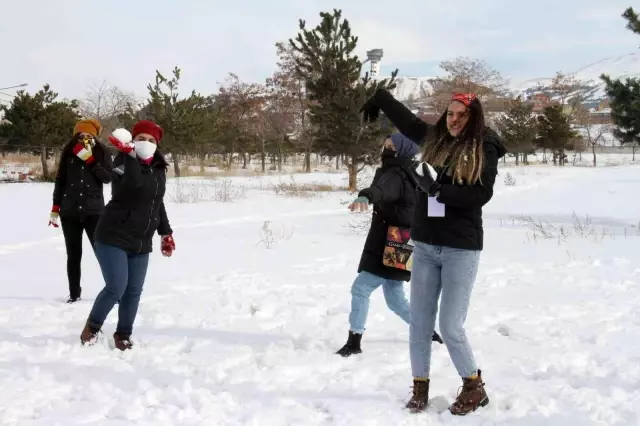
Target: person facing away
[447, 232]
[123, 238]
[392, 194]
[78, 198]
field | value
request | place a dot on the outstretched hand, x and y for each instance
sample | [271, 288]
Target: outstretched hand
[360, 204]
[370, 111]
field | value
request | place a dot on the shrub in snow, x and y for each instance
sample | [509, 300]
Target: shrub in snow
[268, 237]
[203, 190]
[578, 229]
[301, 190]
[509, 180]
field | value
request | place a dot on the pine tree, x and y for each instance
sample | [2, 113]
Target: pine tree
[518, 126]
[555, 132]
[39, 120]
[625, 97]
[326, 61]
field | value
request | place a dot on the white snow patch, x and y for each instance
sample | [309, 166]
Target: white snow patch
[232, 333]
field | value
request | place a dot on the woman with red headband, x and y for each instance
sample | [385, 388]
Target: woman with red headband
[123, 238]
[460, 164]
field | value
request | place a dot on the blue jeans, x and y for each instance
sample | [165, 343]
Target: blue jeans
[451, 272]
[124, 275]
[364, 284]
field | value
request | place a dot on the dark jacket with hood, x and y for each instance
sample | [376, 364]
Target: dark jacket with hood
[78, 189]
[392, 194]
[461, 227]
[136, 209]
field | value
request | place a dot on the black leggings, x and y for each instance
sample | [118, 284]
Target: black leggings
[72, 228]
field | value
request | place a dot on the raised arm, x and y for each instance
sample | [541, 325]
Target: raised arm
[402, 118]
[102, 168]
[128, 170]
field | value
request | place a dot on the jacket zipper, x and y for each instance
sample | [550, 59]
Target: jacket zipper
[153, 203]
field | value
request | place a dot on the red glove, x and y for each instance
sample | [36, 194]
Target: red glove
[54, 217]
[168, 245]
[121, 140]
[121, 146]
[84, 153]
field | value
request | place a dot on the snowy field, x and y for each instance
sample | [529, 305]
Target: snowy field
[231, 332]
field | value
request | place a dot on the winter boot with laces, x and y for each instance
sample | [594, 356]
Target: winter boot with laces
[89, 335]
[122, 341]
[420, 398]
[352, 347]
[471, 397]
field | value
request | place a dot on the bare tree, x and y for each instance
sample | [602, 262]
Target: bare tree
[569, 92]
[294, 85]
[106, 102]
[593, 133]
[240, 105]
[465, 75]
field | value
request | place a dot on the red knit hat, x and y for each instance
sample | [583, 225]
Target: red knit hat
[148, 127]
[464, 98]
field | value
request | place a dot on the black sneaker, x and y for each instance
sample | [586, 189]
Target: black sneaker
[73, 299]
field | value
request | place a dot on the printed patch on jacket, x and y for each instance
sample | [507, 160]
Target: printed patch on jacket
[398, 249]
[119, 170]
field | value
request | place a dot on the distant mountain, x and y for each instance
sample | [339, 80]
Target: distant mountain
[409, 87]
[617, 67]
[412, 87]
[620, 67]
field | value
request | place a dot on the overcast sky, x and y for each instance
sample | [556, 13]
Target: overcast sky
[74, 43]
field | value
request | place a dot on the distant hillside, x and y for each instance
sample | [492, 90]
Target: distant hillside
[617, 67]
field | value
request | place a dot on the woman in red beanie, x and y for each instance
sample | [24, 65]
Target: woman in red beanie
[126, 227]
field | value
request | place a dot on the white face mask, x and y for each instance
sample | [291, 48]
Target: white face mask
[145, 149]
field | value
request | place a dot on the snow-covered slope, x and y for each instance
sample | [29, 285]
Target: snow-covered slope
[412, 87]
[617, 67]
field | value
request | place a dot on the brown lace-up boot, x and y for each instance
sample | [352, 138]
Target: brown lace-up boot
[122, 342]
[471, 397]
[89, 335]
[420, 398]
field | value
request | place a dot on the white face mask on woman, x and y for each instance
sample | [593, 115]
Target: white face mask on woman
[145, 149]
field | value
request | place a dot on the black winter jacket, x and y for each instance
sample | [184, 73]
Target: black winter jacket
[392, 194]
[78, 189]
[136, 209]
[461, 227]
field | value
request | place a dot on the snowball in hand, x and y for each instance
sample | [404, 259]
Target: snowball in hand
[123, 135]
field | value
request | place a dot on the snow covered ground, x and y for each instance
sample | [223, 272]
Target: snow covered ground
[231, 332]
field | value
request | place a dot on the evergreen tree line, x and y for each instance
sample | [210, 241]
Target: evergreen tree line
[310, 105]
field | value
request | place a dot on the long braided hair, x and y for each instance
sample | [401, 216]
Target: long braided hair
[460, 156]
